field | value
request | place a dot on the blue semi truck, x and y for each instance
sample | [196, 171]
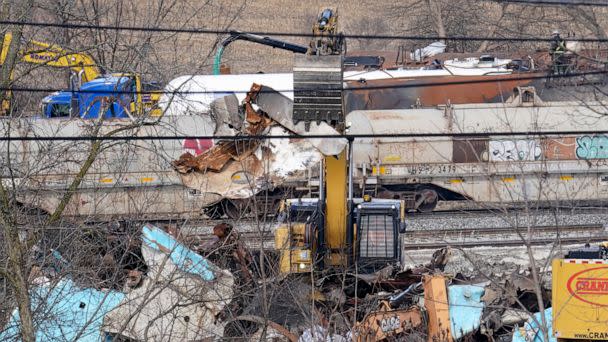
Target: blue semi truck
[117, 95]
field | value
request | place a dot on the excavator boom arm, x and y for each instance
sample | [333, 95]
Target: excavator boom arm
[36, 52]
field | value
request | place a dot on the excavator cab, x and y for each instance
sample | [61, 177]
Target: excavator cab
[327, 40]
[376, 223]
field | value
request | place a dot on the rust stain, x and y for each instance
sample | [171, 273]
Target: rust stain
[401, 93]
[559, 148]
[216, 158]
[384, 116]
[469, 150]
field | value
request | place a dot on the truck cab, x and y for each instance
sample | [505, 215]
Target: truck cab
[376, 225]
[119, 94]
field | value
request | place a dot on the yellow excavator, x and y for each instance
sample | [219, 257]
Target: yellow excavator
[84, 69]
[334, 229]
[337, 230]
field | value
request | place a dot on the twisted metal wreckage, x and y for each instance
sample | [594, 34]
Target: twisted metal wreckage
[184, 296]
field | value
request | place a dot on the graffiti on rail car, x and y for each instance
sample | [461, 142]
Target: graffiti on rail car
[515, 150]
[468, 154]
[559, 148]
[592, 147]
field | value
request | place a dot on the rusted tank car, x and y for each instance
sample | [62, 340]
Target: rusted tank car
[493, 165]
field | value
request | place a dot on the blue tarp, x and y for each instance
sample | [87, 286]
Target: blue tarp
[65, 312]
[183, 257]
[532, 332]
[465, 308]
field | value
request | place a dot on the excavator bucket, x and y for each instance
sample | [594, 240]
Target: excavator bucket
[281, 109]
[317, 87]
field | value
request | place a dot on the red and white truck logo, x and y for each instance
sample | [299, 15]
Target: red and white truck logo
[590, 286]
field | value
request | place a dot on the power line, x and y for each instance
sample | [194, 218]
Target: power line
[391, 86]
[596, 3]
[292, 34]
[298, 136]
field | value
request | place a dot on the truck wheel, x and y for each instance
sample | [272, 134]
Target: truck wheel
[426, 200]
[214, 212]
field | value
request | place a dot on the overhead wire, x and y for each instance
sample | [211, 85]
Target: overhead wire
[290, 34]
[471, 135]
[593, 3]
[295, 34]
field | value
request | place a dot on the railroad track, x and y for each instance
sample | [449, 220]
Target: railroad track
[463, 238]
[503, 236]
[509, 211]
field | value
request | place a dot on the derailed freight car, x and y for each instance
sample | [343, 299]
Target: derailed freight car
[479, 154]
[127, 178]
[131, 175]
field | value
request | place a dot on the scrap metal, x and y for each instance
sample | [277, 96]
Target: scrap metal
[215, 158]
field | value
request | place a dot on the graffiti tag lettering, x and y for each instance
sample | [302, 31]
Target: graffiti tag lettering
[592, 147]
[513, 150]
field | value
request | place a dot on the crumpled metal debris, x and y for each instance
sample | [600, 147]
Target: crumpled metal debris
[238, 169]
[178, 300]
[216, 158]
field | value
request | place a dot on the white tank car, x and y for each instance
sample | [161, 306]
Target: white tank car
[490, 167]
[193, 94]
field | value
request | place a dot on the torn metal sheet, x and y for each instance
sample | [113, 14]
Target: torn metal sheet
[178, 300]
[65, 312]
[225, 111]
[271, 164]
[466, 308]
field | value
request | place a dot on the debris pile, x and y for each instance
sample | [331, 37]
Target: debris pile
[223, 290]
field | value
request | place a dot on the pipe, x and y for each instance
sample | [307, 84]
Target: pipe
[254, 38]
[218, 59]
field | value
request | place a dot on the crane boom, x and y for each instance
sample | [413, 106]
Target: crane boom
[82, 64]
[53, 55]
[254, 38]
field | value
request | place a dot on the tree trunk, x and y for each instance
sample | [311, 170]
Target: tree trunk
[16, 259]
[484, 45]
[435, 11]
